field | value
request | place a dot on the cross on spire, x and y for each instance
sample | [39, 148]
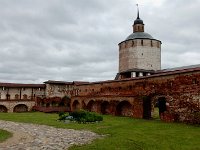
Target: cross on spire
[138, 14]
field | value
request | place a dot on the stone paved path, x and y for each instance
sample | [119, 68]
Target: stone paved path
[41, 137]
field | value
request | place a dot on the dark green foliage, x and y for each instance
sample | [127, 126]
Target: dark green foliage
[80, 116]
[62, 116]
[83, 116]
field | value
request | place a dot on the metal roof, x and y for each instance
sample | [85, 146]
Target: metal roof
[178, 68]
[19, 85]
[58, 82]
[139, 35]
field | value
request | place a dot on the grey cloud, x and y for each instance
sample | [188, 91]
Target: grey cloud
[78, 40]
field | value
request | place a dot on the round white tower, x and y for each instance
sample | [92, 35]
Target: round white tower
[139, 53]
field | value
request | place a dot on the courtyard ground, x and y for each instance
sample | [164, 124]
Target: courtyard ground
[122, 133]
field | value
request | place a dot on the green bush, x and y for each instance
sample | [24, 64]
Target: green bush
[62, 116]
[83, 116]
[80, 116]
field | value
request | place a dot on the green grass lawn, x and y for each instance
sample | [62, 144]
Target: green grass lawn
[4, 135]
[124, 133]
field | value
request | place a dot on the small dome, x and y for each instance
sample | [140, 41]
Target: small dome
[139, 35]
[138, 21]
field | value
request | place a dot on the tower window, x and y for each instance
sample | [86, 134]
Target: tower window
[151, 43]
[142, 42]
[132, 43]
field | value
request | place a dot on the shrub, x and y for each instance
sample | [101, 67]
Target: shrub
[81, 116]
[62, 116]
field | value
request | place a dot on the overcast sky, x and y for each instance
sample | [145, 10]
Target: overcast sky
[76, 40]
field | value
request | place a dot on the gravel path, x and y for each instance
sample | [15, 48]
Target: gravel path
[41, 137]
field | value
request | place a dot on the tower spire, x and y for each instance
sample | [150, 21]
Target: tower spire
[138, 13]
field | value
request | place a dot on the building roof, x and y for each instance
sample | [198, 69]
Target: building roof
[19, 85]
[65, 82]
[58, 82]
[178, 68]
[138, 70]
[139, 35]
[80, 82]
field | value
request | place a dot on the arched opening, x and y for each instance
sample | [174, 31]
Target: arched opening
[124, 108]
[16, 96]
[75, 105]
[3, 108]
[47, 104]
[62, 103]
[20, 108]
[159, 108]
[8, 96]
[162, 105]
[105, 107]
[54, 103]
[146, 107]
[25, 97]
[66, 101]
[91, 106]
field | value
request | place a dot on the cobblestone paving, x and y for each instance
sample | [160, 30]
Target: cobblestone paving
[41, 137]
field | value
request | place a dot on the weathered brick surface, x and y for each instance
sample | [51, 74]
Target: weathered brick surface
[126, 97]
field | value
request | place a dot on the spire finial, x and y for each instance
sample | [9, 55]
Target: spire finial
[138, 14]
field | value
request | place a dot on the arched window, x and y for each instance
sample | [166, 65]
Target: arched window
[132, 43]
[151, 43]
[24, 96]
[142, 42]
[8, 96]
[16, 96]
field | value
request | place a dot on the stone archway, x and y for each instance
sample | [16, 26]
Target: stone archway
[75, 105]
[3, 108]
[159, 107]
[124, 108]
[20, 108]
[91, 106]
[105, 106]
[147, 107]
[162, 105]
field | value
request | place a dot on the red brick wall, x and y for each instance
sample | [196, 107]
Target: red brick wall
[181, 91]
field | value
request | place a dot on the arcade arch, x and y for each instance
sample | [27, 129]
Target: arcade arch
[3, 108]
[92, 106]
[76, 105]
[20, 108]
[105, 107]
[124, 108]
